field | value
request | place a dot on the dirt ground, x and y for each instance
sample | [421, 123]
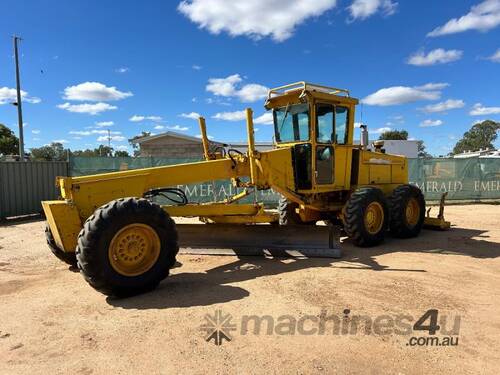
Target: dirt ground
[51, 321]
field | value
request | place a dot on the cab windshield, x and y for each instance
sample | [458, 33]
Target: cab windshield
[291, 123]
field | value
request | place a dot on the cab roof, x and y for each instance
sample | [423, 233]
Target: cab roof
[301, 92]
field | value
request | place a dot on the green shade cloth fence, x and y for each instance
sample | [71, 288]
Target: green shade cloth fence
[471, 179]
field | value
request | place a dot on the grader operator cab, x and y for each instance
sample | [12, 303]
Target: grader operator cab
[124, 242]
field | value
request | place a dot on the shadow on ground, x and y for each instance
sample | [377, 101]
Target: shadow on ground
[211, 287]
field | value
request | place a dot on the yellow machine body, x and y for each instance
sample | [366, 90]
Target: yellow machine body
[316, 173]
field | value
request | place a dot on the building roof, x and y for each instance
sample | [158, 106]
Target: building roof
[192, 139]
[168, 134]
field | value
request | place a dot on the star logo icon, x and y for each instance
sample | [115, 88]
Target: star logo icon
[218, 327]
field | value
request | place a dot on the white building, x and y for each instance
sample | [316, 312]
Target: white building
[408, 148]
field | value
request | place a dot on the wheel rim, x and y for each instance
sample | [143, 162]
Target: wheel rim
[412, 212]
[374, 217]
[134, 249]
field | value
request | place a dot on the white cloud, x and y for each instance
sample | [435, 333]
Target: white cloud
[63, 141]
[437, 56]
[217, 101]
[122, 148]
[139, 118]
[191, 115]
[402, 94]
[92, 109]
[94, 91]
[433, 86]
[172, 127]
[430, 123]
[122, 70]
[8, 95]
[265, 119]
[230, 116]
[482, 17]
[90, 132]
[208, 136]
[256, 19]
[444, 106]
[229, 86]
[252, 92]
[113, 138]
[178, 128]
[105, 132]
[398, 118]
[77, 138]
[136, 118]
[479, 110]
[103, 124]
[362, 9]
[380, 130]
[80, 132]
[223, 86]
[495, 57]
[196, 67]
[35, 131]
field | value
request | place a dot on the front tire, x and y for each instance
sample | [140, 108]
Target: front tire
[407, 210]
[127, 247]
[68, 258]
[366, 217]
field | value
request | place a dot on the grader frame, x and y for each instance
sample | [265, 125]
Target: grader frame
[315, 166]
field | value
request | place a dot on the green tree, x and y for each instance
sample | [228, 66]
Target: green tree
[134, 145]
[394, 135]
[421, 150]
[86, 153]
[121, 154]
[9, 143]
[481, 135]
[53, 152]
[104, 151]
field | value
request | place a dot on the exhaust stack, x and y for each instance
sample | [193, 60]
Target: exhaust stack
[364, 136]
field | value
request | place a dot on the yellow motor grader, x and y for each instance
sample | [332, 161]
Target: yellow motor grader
[124, 242]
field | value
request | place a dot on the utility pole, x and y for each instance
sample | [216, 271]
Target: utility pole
[109, 138]
[19, 101]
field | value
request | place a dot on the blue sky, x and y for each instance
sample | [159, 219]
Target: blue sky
[430, 67]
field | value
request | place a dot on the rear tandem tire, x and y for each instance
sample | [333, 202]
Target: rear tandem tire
[366, 217]
[407, 211]
[127, 247]
[69, 258]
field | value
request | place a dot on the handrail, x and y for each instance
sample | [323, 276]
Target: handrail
[305, 86]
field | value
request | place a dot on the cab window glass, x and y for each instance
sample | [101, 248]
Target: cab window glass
[324, 123]
[341, 119]
[291, 123]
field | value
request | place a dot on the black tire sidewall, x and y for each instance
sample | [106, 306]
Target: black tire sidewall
[93, 257]
[115, 278]
[68, 258]
[356, 206]
[399, 201]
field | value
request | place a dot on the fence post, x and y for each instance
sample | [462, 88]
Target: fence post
[2, 193]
